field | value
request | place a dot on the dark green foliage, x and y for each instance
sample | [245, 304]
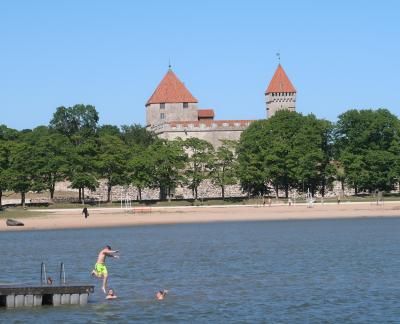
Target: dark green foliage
[78, 123]
[111, 161]
[137, 135]
[200, 156]
[367, 146]
[285, 152]
[168, 160]
[223, 166]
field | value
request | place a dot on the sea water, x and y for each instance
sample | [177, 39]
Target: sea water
[332, 271]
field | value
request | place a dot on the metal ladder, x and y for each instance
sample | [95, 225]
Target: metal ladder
[43, 274]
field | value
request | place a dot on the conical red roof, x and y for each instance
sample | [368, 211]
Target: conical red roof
[171, 90]
[280, 82]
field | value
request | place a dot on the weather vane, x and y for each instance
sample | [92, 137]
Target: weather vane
[278, 55]
[169, 64]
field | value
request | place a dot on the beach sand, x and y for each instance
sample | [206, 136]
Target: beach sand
[116, 217]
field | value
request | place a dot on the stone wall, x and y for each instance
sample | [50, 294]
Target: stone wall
[206, 190]
[211, 131]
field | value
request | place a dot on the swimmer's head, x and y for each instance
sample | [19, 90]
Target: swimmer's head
[108, 247]
[110, 292]
[161, 294]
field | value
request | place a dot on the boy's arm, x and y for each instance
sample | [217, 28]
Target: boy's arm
[111, 254]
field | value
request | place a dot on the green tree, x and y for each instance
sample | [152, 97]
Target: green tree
[111, 161]
[82, 171]
[78, 123]
[109, 130]
[311, 154]
[7, 135]
[168, 162]
[137, 135]
[141, 170]
[367, 145]
[223, 166]
[22, 175]
[198, 167]
[4, 168]
[265, 153]
[50, 152]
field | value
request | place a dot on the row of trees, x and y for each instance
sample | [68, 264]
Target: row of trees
[285, 152]
[292, 151]
[74, 147]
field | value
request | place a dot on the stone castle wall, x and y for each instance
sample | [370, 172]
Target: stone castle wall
[211, 131]
[207, 190]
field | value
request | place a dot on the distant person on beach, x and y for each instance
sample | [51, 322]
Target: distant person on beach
[111, 294]
[85, 211]
[160, 295]
[338, 199]
[100, 269]
[49, 281]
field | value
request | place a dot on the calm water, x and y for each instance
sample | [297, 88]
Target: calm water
[332, 271]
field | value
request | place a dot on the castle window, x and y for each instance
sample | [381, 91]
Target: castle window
[162, 105]
[162, 116]
[185, 105]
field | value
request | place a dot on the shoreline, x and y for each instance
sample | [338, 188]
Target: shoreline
[58, 219]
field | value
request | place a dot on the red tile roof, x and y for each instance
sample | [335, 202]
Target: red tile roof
[171, 90]
[209, 122]
[280, 82]
[205, 113]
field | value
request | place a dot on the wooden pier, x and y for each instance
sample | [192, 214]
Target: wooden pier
[18, 296]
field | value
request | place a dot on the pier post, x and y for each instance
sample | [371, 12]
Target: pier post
[28, 300]
[74, 299]
[56, 300]
[65, 299]
[19, 300]
[10, 301]
[37, 300]
[83, 299]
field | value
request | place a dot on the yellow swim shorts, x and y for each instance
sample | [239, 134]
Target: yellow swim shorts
[101, 269]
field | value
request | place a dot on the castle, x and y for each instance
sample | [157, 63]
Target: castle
[172, 111]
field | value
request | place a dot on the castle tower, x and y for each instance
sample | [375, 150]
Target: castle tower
[280, 94]
[171, 101]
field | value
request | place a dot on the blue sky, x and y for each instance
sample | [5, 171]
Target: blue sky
[112, 54]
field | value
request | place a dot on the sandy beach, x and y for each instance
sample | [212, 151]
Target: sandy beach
[116, 217]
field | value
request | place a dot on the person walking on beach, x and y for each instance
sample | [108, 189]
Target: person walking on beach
[100, 269]
[85, 211]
